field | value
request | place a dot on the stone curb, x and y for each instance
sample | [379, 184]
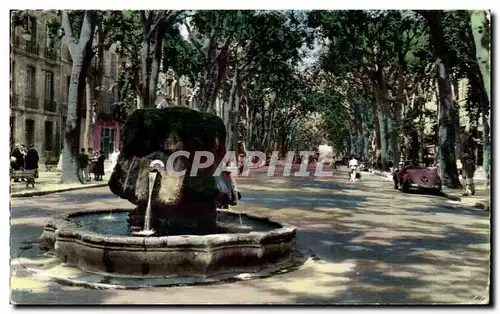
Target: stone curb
[478, 205]
[39, 193]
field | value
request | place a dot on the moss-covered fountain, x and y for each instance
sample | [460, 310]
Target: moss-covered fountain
[176, 228]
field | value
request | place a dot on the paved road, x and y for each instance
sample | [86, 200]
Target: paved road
[370, 244]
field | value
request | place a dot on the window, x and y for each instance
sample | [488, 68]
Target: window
[112, 96]
[49, 91]
[31, 101]
[13, 77]
[31, 45]
[12, 130]
[30, 82]
[33, 29]
[49, 40]
[30, 132]
[49, 133]
[68, 82]
[112, 69]
[107, 141]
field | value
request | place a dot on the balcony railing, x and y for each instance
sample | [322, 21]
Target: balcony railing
[49, 105]
[14, 100]
[28, 46]
[31, 102]
[17, 42]
[32, 47]
[50, 54]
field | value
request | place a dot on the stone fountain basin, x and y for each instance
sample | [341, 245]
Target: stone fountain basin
[192, 255]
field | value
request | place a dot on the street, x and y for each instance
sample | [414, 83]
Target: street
[365, 243]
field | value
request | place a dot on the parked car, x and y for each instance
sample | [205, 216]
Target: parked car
[416, 177]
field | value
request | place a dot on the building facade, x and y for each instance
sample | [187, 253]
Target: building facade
[106, 127]
[40, 75]
[173, 91]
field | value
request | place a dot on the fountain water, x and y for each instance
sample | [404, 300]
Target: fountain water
[154, 167]
[175, 228]
[147, 218]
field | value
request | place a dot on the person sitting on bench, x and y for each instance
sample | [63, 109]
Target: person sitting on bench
[18, 155]
[32, 159]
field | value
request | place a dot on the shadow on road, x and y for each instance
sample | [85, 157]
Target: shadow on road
[450, 265]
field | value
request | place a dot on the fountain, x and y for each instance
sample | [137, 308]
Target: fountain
[176, 228]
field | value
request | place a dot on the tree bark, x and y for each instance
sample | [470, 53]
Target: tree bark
[486, 144]
[382, 115]
[81, 54]
[89, 109]
[446, 157]
[365, 135]
[231, 110]
[396, 121]
[143, 87]
[236, 119]
[456, 120]
[155, 65]
[480, 25]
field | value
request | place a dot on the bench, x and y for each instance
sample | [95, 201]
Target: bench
[28, 175]
[49, 166]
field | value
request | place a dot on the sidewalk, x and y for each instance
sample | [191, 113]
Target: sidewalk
[48, 182]
[480, 199]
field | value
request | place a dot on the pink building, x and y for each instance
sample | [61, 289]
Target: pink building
[106, 136]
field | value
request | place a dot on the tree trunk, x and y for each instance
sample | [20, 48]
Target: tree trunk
[480, 31]
[155, 66]
[270, 130]
[71, 140]
[262, 126]
[221, 74]
[139, 101]
[486, 144]
[232, 105]
[446, 157]
[365, 134]
[89, 109]
[97, 86]
[144, 88]
[179, 92]
[397, 136]
[485, 116]
[249, 121]
[421, 128]
[376, 126]
[382, 115]
[456, 120]
[81, 56]
[236, 120]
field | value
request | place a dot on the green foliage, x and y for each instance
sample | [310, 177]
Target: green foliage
[458, 35]
[181, 56]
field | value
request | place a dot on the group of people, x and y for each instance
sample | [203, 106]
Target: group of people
[91, 163]
[23, 158]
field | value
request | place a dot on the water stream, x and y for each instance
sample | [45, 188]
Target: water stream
[147, 218]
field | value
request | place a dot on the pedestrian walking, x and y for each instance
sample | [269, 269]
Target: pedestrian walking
[469, 168]
[83, 162]
[99, 166]
[91, 164]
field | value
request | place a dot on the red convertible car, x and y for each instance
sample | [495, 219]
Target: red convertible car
[415, 177]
